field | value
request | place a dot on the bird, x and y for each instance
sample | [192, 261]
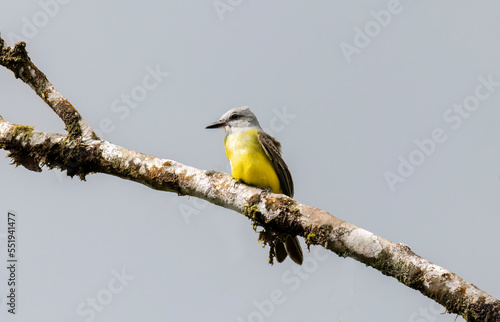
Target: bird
[255, 159]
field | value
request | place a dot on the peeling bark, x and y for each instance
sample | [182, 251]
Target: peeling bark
[81, 152]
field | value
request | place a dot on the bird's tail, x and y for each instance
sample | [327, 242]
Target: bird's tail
[291, 248]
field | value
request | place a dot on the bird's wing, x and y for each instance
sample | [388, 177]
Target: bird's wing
[272, 148]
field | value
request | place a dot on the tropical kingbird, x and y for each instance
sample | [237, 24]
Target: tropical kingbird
[255, 159]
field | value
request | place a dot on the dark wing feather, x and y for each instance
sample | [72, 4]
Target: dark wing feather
[293, 249]
[273, 150]
[280, 251]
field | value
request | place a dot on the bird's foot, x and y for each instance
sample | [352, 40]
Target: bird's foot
[265, 190]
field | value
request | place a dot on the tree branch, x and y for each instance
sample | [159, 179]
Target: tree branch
[17, 60]
[81, 152]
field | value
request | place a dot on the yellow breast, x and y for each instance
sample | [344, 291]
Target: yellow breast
[249, 162]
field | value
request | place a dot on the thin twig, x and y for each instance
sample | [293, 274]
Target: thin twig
[17, 60]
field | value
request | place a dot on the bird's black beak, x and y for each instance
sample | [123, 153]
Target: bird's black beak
[215, 125]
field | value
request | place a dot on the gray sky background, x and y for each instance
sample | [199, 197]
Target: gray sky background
[346, 120]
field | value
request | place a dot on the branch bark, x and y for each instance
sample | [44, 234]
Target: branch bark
[81, 152]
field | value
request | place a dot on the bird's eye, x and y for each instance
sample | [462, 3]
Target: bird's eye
[234, 116]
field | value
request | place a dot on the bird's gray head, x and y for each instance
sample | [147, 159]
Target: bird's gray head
[235, 120]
